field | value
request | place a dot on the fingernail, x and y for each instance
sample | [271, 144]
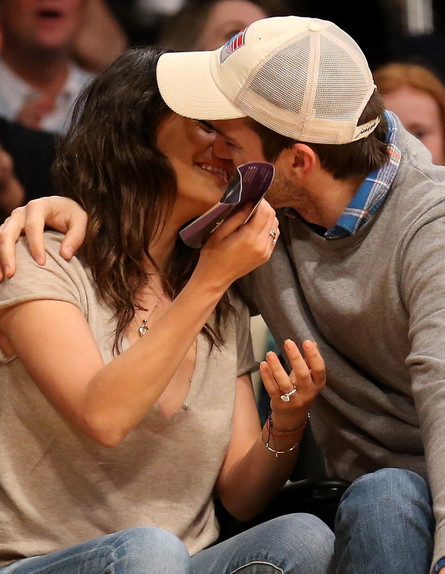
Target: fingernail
[40, 260]
[69, 251]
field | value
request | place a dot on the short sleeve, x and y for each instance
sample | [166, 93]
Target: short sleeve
[57, 279]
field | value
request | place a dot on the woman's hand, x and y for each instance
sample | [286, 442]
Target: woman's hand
[235, 248]
[257, 463]
[299, 389]
[59, 213]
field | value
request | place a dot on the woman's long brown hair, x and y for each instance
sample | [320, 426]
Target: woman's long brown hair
[110, 164]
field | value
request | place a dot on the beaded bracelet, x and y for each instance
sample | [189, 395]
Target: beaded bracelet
[271, 435]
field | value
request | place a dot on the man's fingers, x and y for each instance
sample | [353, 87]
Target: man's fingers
[33, 226]
[10, 231]
[75, 235]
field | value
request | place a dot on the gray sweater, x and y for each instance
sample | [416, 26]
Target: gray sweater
[375, 304]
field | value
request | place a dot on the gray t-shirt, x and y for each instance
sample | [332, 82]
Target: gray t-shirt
[58, 487]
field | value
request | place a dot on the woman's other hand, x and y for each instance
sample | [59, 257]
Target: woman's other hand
[299, 389]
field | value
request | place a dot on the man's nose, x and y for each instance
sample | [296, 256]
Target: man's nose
[220, 148]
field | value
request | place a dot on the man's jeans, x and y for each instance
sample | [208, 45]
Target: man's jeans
[291, 544]
[385, 524]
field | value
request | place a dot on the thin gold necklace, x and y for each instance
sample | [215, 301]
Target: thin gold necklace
[143, 330]
[144, 327]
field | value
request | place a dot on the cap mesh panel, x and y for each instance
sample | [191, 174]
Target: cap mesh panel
[293, 91]
[290, 65]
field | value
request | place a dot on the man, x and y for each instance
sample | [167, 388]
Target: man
[359, 267]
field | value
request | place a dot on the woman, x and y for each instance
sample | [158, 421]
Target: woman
[127, 403]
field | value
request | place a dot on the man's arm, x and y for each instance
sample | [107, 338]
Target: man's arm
[59, 213]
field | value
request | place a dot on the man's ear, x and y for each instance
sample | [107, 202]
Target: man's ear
[305, 159]
[298, 161]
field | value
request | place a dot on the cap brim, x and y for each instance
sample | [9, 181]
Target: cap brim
[187, 87]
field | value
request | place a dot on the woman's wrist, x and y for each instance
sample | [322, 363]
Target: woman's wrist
[282, 441]
[284, 426]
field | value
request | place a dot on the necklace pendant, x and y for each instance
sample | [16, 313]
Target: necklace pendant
[143, 328]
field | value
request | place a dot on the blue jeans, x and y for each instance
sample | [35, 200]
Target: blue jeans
[385, 523]
[135, 551]
[291, 544]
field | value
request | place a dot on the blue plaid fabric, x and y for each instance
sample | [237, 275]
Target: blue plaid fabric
[373, 190]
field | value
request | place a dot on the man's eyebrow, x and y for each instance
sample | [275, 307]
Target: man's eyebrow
[207, 124]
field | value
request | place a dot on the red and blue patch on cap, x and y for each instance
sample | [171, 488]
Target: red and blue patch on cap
[232, 45]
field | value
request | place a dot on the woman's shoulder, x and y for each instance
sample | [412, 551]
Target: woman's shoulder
[52, 242]
[57, 274]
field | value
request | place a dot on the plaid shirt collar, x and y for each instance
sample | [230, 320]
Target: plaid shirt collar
[373, 190]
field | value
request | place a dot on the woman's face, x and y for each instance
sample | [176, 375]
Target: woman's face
[420, 114]
[227, 18]
[201, 178]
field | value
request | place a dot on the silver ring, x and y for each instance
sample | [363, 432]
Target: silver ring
[286, 396]
[273, 234]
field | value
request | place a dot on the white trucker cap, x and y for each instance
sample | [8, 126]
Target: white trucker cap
[304, 78]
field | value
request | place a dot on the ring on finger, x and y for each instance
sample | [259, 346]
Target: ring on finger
[286, 396]
[273, 234]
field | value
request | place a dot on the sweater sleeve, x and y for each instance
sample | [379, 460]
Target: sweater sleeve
[422, 285]
[246, 362]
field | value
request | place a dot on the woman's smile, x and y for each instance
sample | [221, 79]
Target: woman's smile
[216, 170]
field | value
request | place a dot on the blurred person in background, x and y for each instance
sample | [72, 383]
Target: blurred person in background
[45, 29]
[39, 79]
[210, 24]
[12, 193]
[417, 96]
[101, 37]
[31, 155]
[26, 156]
